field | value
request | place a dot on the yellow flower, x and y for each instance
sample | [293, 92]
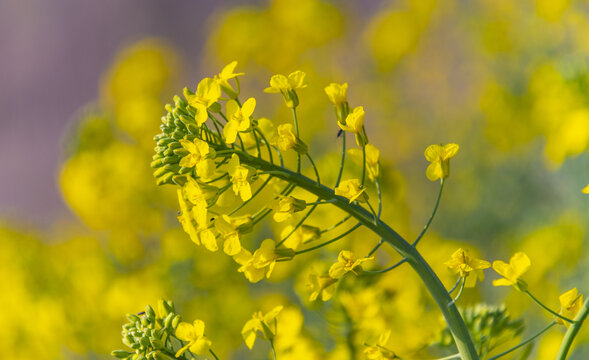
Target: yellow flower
[287, 86]
[354, 123]
[337, 93]
[439, 156]
[586, 189]
[194, 334]
[223, 79]
[321, 285]
[200, 155]
[518, 265]
[302, 235]
[462, 264]
[208, 92]
[239, 119]
[260, 264]
[372, 160]
[346, 262]
[239, 178]
[198, 212]
[264, 326]
[285, 206]
[230, 228]
[379, 351]
[570, 304]
[352, 190]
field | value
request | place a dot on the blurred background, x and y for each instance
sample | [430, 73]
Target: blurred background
[87, 236]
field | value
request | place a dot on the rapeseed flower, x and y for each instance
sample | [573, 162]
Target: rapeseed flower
[463, 264]
[439, 156]
[260, 264]
[347, 262]
[224, 76]
[337, 93]
[321, 285]
[239, 178]
[194, 334]
[287, 86]
[286, 206]
[512, 272]
[207, 93]
[352, 189]
[199, 155]
[261, 325]
[570, 304]
[372, 160]
[379, 351]
[354, 123]
[239, 119]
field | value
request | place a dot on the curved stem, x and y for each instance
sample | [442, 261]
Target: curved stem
[547, 308]
[213, 353]
[524, 342]
[428, 276]
[336, 224]
[572, 332]
[459, 292]
[429, 221]
[314, 167]
[296, 122]
[341, 166]
[455, 285]
[298, 225]
[329, 241]
[363, 165]
[399, 263]
[253, 196]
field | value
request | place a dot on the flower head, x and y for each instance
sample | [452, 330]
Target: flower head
[512, 272]
[230, 228]
[199, 155]
[227, 73]
[285, 139]
[207, 93]
[346, 262]
[379, 351]
[260, 325]
[439, 156]
[352, 190]
[302, 235]
[570, 304]
[194, 334]
[239, 119]
[239, 178]
[463, 264]
[354, 123]
[321, 285]
[260, 264]
[285, 206]
[337, 93]
[287, 86]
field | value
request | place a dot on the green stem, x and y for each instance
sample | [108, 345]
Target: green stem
[430, 279]
[455, 285]
[314, 167]
[429, 221]
[330, 241]
[524, 342]
[547, 308]
[297, 225]
[273, 349]
[341, 166]
[451, 357]
[459, 292]
[253, 196]
[213, 353]
[572, 331]
[337, 224]
[363, 165]
[296, 122]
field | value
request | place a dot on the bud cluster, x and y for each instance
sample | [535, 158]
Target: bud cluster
[147, 333]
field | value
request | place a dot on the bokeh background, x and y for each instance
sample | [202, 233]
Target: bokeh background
[87, 236]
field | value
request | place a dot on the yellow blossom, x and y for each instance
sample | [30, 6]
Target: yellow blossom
[239, 119]
[352, 190]
[570, 304]
[321, 285]
[200, 234]
[512, 272]
[354, 121]
[199, 155]
[586, 189]
[379, 351]
[264, 326]
[239, 178]
[302, 235]
[207, 93]
[227, 73]
[337, 93]
[260, 264]
[287, 86]
[194, 334]
[346, 262]
[463, 264]
[285, 206]
[230, 228]
[372, 160]
[439, 156]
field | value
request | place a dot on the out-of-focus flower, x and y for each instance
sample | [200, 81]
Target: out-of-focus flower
[439, 156]
[224, 76]
[379, 351]
[337, 93]
[260, 325]
[260, 263]
[570, 304]
[354, 123]
[321, 285]
[285, 139]
[512, 272]
[239, 178]
[285, 206]
[207, 93]
[372, 160]
[352, 190]
[287, 86]
[346, 262]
